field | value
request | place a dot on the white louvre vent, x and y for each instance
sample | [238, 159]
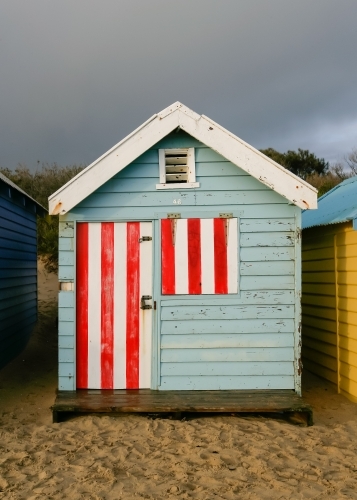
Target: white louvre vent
[177, 168]
[176, 165]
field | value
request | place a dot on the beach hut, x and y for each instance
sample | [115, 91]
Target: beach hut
[179, 265]
[329, 299]
[18, 268]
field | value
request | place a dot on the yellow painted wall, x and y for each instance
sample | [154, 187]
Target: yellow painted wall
[329, 304]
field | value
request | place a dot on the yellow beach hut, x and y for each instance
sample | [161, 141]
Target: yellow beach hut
[329, 288]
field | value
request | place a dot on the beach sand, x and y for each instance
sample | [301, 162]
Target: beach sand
[129, 457]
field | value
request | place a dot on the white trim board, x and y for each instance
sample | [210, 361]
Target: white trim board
[200, 127]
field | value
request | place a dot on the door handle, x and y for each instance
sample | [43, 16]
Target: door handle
[142, 302]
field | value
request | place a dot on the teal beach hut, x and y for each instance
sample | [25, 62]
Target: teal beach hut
[180, 263]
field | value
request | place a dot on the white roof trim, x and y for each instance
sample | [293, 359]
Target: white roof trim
[204, 129]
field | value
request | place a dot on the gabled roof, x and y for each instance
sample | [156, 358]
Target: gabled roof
[338, 205]
[200, 127]
[40, 209]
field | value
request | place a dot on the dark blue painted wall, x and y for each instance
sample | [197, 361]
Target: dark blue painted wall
[18, 271]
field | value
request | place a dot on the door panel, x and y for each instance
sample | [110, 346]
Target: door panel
[113, 272]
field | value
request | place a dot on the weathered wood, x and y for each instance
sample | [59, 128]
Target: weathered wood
[178, 402]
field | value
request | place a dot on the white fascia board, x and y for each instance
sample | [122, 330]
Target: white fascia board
[252, 161]
[112, 162]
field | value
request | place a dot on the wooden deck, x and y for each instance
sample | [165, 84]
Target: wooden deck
[181, 402]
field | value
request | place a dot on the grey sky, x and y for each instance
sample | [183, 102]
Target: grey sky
[77, 76]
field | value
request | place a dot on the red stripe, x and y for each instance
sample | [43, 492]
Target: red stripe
[167, 257]
[194, 256]
[82, 306]
[107, 304]
[220, 256]
[132, 311]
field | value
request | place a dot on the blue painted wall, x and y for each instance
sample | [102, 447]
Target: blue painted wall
[246, 341]
[18, 271]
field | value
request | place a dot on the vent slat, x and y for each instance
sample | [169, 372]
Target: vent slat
[176, 160]
[173, 152]
[176, 178]
[172, 169]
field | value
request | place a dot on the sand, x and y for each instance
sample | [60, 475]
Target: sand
[131, 457]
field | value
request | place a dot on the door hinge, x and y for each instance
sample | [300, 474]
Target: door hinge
[142, 302]
[145, 238]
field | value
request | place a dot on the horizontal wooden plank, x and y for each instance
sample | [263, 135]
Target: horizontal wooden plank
[18, 272]
[18, 300]
[7, 293]
[17, 282]
[348, 357]
[348, 371]
[8, 205]
[320, 371]
[318, 265]
[347, 278]
[347, 265]
[347, 252]
[187, 197]
[218, 326]
[65, 328]
[349, 386]
[17, 310]
[65, 355]
[19, 320]
[319, 358]
[66, 229]
[227, 369]
[65, 273]
[226, 383]
[349, 344]
[261, 254]
[9, 237]
[66, 383]
[65, 299]
[347, 304]
[116, 212]
[193, 312]
[322, 277]
[319, 242]
[66, 369]
[267, 283]
[347, 330]
[319, 300]
[320, 323]
[267, 225]
[17, 263]
[66, 244]
[217, 340]
[273, 239]
[277, 268]
[26, 228]
[66, 314]
[347, 291]
[317, 254]
[328, 349]
[317, 289]
[349, 237]
[319, 312]
[66, 341]
[229, 354]
[320, 335]
[349, 317]
[261, 297]
[66, 258]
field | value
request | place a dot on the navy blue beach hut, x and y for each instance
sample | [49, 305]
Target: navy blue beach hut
[180, 263]
[18, 268]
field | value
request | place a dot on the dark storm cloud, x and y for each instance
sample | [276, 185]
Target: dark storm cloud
[77, 76]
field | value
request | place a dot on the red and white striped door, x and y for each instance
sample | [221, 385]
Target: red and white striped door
[113, 333]
[199, 256]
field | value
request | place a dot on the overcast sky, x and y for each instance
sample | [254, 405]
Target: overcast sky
[76, 76]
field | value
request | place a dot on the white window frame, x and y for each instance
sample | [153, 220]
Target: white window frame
[191, 171]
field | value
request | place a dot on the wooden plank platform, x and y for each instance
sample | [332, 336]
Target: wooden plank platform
[181, 402]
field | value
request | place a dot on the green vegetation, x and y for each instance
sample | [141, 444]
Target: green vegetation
[40, 185]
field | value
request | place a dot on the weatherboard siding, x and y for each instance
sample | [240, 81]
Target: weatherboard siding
[18, 272]
[329, 304]
[256, 327]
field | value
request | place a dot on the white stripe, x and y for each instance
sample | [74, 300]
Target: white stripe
[94, 305]
[207, 256]
[145, 316]
[120, 295]
[232, 256]
[181, 257]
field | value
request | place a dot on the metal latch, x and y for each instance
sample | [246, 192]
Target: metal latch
[145, 238]
[174, 216]
[142, 302]
[225, 215]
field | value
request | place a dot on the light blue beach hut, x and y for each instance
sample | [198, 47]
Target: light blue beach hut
[18, 268]
[180, 264]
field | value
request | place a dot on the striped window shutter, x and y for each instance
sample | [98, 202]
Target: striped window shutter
[199, 256]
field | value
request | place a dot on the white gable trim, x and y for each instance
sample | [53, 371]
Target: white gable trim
[222, 141]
